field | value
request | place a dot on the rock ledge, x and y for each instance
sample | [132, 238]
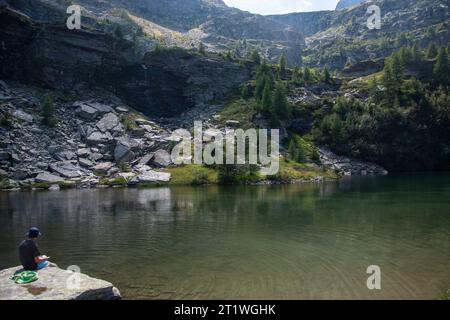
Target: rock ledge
[56, 284]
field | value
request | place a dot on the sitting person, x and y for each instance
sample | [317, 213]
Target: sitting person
[30, 257]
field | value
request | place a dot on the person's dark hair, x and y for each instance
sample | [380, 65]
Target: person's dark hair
[33, 233]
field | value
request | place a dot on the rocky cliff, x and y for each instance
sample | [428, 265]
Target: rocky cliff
[161, 84]
[185, 22]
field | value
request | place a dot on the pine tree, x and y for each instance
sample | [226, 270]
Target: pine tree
[282, 65]
[416, 54]
[406, 56]
[266, 102]
[307, 75]
[48, 112]
[431, 51]
[256, 58]
[280, 104]
[245, 92]
[392, 75]
[442, 68]
[326, 76]
[264, 76]
[292, 149]
[297, 75]
[397, 68]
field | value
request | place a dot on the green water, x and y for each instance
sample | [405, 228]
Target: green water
[259, 242]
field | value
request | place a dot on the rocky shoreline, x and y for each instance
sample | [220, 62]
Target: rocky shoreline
[97, 142]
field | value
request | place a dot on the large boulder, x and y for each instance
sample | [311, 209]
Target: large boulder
[48, 178]
[56, 284]
[162, 158]
[124, 151]
[98, 137]
[66, 169]
[152, 176]
[108, 122]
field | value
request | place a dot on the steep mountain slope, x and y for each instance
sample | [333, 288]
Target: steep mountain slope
[342, 4]
[210, 21]
[339, 38]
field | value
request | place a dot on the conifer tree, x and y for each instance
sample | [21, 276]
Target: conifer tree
[431, 51]
[282, 65]
[280, 104]
[442, 68]
[266, 101]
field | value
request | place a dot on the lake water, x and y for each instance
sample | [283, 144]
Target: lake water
[255, 242]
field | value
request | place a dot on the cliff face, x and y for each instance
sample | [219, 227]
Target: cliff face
[52, 56]
[308, 23]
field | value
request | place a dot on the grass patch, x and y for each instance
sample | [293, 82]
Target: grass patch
[292, 171]
[192, 174]
[240, 110]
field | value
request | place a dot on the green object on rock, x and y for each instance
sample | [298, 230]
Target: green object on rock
[25, 277]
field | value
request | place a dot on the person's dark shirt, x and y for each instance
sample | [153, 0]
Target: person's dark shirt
[28, 250]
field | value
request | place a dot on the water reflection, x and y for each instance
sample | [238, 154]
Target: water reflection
[265, 242]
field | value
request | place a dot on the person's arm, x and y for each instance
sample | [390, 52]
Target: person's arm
[38, 258]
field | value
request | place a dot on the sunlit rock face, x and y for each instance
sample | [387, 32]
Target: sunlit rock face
[342, 4]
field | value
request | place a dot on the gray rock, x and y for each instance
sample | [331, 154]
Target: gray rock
[162, 158]
[3, 173]
[83, 152]
[122, 109]
[53, 149]
[4, 155]
[52, 285]
[101, 108]
[48, 177]
[42, 165]
[21, 115]
[146, 159]
[102, 167]
[108, 122]
[95, 156]
[66, 170]
[85, 163]
[154, 176]
[123, 153]
[141, 121]
[124, 149]
[87, 112]
[54, 187]
[232, 123]
[98, 137]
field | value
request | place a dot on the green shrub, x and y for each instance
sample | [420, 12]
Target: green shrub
[6, 120]
[48, 112]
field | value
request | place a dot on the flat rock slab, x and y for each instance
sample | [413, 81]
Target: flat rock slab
[56, 284]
